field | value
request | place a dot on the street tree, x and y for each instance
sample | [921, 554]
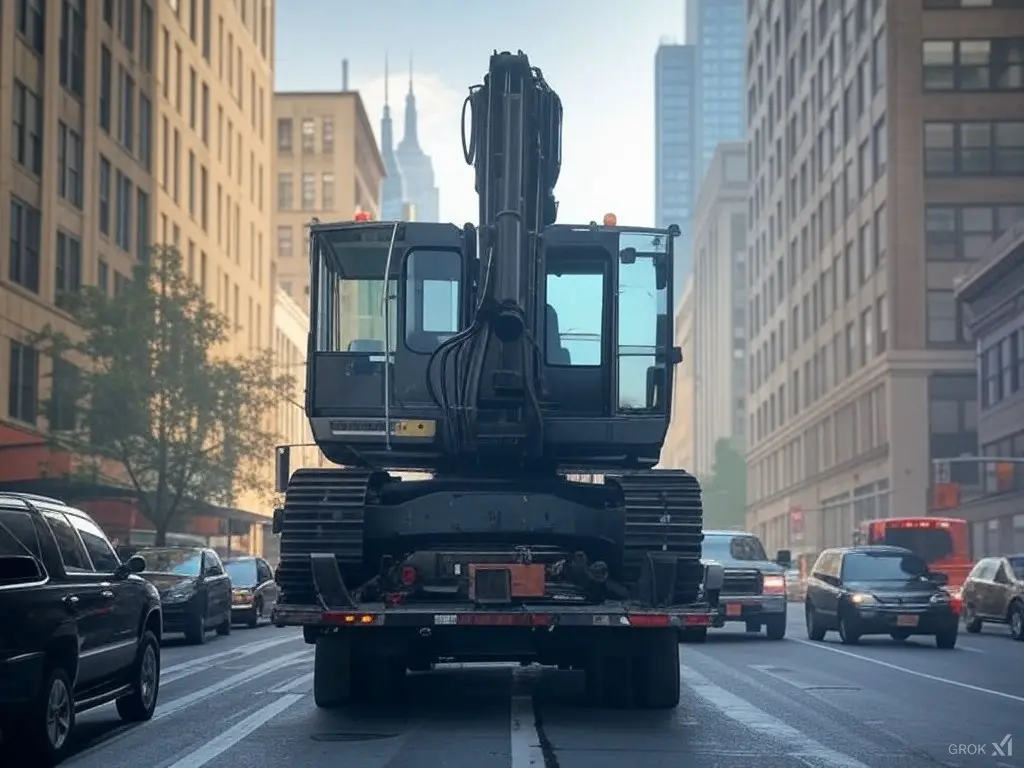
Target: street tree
[725, 491]
[146, 383]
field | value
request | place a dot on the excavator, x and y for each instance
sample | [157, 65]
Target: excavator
[493, 399]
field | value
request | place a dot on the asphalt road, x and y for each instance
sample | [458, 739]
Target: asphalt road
[245, 701]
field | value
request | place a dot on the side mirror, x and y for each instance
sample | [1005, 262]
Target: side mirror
[136, 563]
[282, 468]
[277, 521]
[784, 558]
[938, 579]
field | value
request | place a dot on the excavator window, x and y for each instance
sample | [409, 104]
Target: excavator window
[433, 280]
[575, 310]
[643, 322]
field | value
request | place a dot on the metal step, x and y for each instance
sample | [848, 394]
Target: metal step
[664, 514]
[323, 512]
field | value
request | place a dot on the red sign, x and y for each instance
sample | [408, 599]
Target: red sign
[796, 523]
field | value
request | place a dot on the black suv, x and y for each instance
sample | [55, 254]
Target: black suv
[879, 591]
[82, 629]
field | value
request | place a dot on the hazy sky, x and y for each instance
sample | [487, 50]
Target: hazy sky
[596, 54]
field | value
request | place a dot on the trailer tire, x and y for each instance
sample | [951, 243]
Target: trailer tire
[693, 635]
[658, 669]
[608, 672]
[332, 671]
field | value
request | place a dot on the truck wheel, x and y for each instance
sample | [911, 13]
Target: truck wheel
[332, 671]
[608, 672]
[658, 669]
[693, 635]
[776, 627]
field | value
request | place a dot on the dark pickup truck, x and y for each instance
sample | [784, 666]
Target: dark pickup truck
[78, 628]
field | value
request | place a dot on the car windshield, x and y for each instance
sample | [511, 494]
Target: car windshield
[1017, 563]
[719, 546]
[883, 567]
[241, 572]
[181, 562]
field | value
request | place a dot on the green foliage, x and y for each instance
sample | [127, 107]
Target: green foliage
[150, 391]
[725, 492]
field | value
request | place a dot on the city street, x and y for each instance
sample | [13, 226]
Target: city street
[245, 701]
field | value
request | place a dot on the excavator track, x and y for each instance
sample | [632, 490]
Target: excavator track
[664, 514]
[324, 510]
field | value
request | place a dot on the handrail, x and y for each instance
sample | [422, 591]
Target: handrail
[387, 336]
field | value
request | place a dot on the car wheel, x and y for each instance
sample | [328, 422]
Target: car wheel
[196, 634]
[946, 639]
[775, 627]
[224, 628]
[847, 631]
[971, 622]
[44, 731]
[138, 706]
[254, 618]
[1017, 620]
[815, 631]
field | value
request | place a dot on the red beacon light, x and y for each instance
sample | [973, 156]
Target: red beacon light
[361, 215]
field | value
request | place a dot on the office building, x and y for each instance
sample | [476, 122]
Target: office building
[415, 165]
[678, 450]
[326, 165]
[131, 124]
[861, 368]
[291, 333]
[674, 181]
[992, 296]
[717, 30]
[719, 348]
[392, 189]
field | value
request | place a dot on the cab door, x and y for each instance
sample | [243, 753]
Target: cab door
[267, 587]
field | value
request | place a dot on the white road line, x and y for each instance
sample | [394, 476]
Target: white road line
[914, 672]
[298, 682]
[523, 736]
[801, 746]
[246, 676]
[221, 744]
[186, 668]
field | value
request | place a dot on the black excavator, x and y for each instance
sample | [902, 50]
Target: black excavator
[523, 370]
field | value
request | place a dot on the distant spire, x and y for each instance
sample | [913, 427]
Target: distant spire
[411, 137]
[410, 73]
[386, 81]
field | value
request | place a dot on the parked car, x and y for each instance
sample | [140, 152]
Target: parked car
[87, 630]
[994, 592]
[194, 589]
[754, 587]
[253, 590]
[879, 590]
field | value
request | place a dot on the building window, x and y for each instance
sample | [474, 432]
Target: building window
[72, 47]
[284, 136]
[126, 122]
[882, 320]
[881, 242]
[127, 25]
[69, 165]
[123, 213]
[145, 132]
[944, 320]
[285, 242]
[67, 275]
[28, 128]
[23, 383]
[106, 87]
[974, 148]
[146, 35]
[308, 136]
[103, 276]
[26, 236]
[965, 232]
[1001, 369]
[285, 192]
[104, 195]
[327, 140]
[142, 238]
[309, 192]
[327, 191]
[881, 148]
[30, 21]
[974, 65]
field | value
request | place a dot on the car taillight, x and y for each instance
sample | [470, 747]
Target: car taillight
[774, 585]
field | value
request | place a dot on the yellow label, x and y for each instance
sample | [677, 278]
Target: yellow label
[414, 428]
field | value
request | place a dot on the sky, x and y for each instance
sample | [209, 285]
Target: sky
[597, 54]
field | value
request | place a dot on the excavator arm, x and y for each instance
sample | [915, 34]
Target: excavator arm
[513, 142]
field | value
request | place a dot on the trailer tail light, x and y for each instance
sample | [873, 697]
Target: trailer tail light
[408, 576]
[349, 619]
[697, 620]
[648, 620]
[774, 585]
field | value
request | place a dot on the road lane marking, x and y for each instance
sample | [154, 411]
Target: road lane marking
[801, 746]
[298, 682]
[200, 663]
[523, 737]
[180, 703]
[229, 738]
[914, 672]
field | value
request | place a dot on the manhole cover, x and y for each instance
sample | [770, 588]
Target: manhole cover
[352, 736]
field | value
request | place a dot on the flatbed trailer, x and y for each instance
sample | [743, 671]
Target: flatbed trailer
[628, 652]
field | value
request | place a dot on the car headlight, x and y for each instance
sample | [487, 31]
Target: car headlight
[179, 593]
[941, 598]
[774, 585]
[862, 599]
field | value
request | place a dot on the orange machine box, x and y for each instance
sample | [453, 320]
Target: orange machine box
[527, 580]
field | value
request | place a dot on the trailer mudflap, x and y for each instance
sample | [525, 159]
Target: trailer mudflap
[328, 582]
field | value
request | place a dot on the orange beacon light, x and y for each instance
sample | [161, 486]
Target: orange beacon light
[361, 216]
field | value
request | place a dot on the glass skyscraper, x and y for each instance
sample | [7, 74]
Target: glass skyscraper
[675, 149]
